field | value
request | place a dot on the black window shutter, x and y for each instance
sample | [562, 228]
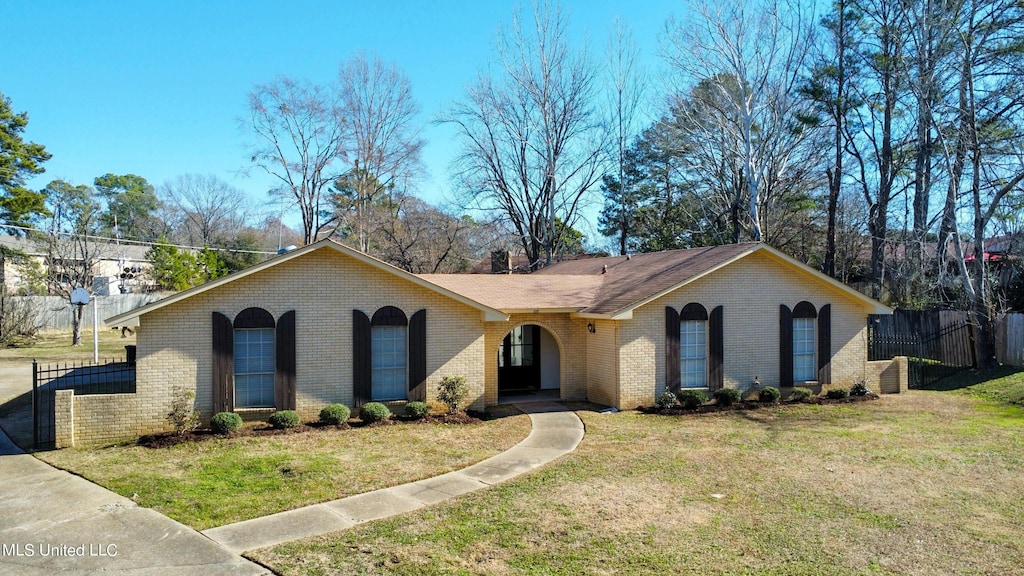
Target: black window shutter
[671, 349]
[785, 346]
[362, 371]
[284, 375]
[825, 344]
[418, 356]
[716, 350]
[223, 376]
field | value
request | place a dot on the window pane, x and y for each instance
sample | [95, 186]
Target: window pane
[388, 346]
[693, 365]
[803, 350]
[254, 367]
[516, 351]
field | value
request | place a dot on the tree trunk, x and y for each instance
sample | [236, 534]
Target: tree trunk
[76, 325]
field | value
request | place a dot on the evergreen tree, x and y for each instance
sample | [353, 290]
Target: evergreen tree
[19, 160]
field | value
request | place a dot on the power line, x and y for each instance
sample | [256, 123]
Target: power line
[110, 240]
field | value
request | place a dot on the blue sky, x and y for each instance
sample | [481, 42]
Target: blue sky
[157, 88]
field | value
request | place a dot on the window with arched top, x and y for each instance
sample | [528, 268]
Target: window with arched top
[694, 346]
[389, 334]
[805, 344]
[389, 355]
[804, 368]
[253, 360]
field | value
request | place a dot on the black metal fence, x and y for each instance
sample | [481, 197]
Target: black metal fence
[116, 376]
[938, 343]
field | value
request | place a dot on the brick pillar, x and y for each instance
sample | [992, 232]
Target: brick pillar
[64, 418]
[902, 364]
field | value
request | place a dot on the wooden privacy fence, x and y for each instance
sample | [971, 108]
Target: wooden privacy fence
[938, 343]
[1010, 339]
[54, 312]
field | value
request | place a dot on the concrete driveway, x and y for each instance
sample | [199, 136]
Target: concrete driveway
[54, 522]
[15, 380]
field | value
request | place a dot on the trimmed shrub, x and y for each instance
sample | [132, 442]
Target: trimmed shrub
[801, 394]
[860, 389]
[334, 414]
[727, 396]
[284, 419]
[374, 412]
[453, 391]
[225, 422]
[417, 410]
[666, 399]
[769, 394]
[691, 399]
[837, 394]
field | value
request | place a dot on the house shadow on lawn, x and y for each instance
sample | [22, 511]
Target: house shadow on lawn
[969, 378]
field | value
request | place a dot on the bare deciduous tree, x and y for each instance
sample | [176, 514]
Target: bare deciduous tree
[875, 135]
[383, 141]
[300, 135]
[627, 79]
[753, 57]
[209, 209]
[532, 143]
[987, 158]
[420, 238]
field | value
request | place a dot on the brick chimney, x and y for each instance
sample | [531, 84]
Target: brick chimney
[501, 262]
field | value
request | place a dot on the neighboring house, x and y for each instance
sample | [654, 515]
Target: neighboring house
[326, 324]
[118, 267]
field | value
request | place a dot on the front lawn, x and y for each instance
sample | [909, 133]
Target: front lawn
[921, 483]
[221, 481]
[55, 347]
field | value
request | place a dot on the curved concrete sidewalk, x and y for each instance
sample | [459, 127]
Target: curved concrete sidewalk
[52, 521]
[556, 431]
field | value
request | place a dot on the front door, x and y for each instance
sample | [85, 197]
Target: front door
[519, 360]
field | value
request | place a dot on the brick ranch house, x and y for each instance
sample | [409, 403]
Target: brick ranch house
[326, 323]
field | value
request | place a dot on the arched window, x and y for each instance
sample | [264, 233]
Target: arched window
[805, 344]
[254, 358]
[389, 355]
[804, 367]
[389, 337]
[693, 346]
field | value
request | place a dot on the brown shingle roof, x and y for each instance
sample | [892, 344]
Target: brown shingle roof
[595, 285]
[630, 280]
[508, 292]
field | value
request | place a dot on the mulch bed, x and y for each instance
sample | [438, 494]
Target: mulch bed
[168, 439]
[752, 405]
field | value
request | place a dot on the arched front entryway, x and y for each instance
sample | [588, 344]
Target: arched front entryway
[529, 361]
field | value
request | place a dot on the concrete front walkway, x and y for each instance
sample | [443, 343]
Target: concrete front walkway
[54, 522]
[556, 431]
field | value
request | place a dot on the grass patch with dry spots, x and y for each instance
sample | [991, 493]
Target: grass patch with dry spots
[221, 481]
[922, 483]
[54, 347]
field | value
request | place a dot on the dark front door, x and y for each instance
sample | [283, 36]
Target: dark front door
[519, 360]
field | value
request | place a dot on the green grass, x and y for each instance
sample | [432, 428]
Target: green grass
[50, 347]
[921, 483]
[216, 482]
[1005, 386]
